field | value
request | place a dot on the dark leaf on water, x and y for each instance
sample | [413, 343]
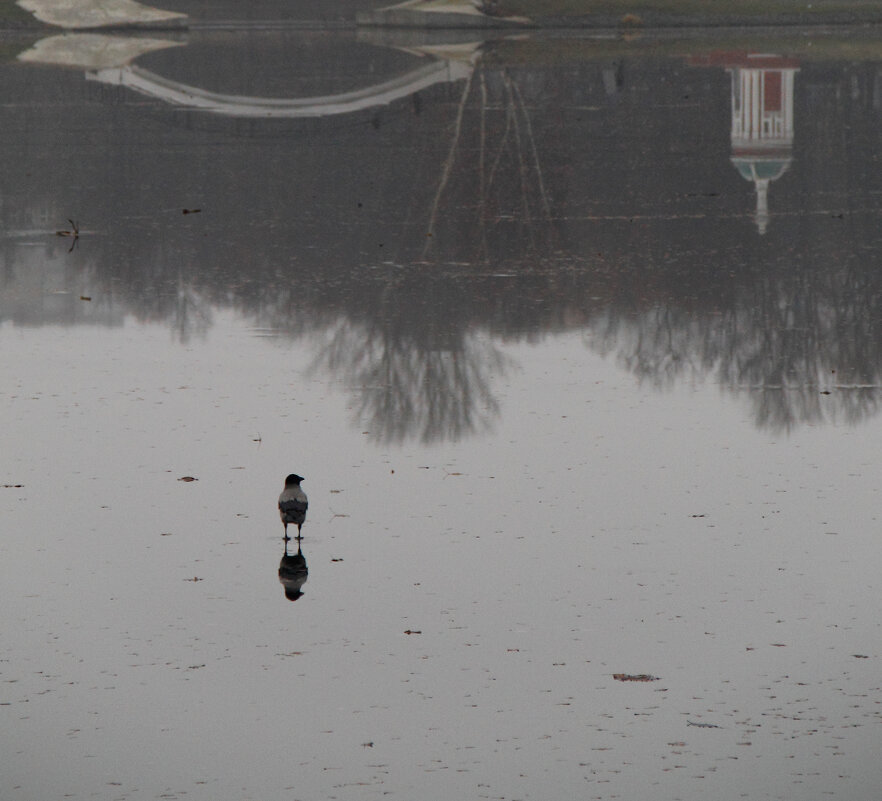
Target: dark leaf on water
[634, 677]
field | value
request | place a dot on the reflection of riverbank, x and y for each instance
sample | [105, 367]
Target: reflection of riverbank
[535, 47]
[422, 15]
[593, 14]
[515, 203]
[85, 14]
[92, 51]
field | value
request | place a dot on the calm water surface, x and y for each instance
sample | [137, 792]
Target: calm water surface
[578, 346]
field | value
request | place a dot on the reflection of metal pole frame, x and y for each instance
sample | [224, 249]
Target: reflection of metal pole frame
[762, 119]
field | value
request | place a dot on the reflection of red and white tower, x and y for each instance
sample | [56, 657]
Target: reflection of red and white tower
[762, 118]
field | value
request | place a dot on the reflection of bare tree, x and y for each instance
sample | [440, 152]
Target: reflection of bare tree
[802, 342]
[192, 311]
[404, 389]
[192, 315]
[179, 301]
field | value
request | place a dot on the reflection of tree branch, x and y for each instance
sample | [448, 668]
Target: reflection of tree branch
[406, 390]
[803, 345]
[192, 315]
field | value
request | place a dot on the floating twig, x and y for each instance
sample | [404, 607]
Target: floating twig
[74, 234]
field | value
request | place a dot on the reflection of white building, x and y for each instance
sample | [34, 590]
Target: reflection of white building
[762, 119]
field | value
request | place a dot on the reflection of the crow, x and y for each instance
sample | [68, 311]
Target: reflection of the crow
[293, 572]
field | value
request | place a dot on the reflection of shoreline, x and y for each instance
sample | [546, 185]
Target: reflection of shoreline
[557, 199]
[801, 343]
[85, 14]
[92, 51]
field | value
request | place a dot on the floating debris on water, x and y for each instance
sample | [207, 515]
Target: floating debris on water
[73, 233]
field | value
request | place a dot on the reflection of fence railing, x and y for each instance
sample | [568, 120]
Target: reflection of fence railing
[108, 59]
[381, 94]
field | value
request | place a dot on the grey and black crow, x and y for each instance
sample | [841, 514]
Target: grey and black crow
[293, 504]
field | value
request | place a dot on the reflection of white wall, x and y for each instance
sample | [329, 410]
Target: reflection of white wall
[180, 94]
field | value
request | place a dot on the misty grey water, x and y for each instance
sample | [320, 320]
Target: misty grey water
[577, 344]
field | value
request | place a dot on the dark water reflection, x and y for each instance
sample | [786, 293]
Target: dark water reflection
[524, 189]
